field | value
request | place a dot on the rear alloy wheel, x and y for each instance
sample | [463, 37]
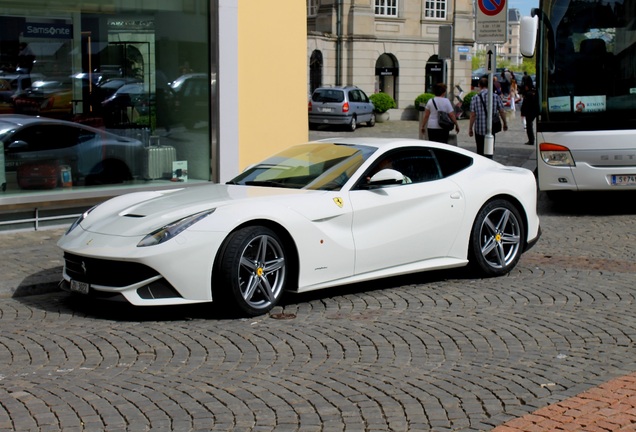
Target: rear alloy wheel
[253, 270]
[353, 124]
[496, 240]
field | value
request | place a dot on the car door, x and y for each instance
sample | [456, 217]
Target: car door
[407, 223]
[366, 107]
[357, 106]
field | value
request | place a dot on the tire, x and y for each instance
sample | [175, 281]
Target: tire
[371, 122]
[252, 270]
[496, 240]
[353, 124]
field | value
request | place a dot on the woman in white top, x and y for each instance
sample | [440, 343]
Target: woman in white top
[429, 119]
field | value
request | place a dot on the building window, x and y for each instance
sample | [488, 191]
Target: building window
[435, 9]
[312, 7]
[386, 7]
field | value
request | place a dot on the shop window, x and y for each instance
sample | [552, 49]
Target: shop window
[100, 89]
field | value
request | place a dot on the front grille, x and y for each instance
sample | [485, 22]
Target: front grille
[106, 272]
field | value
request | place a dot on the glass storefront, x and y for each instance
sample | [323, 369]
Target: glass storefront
[133, 86]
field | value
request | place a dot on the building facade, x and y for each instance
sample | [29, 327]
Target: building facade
[393, 46]
[152, 95]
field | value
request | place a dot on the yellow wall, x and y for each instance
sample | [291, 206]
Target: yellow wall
[272, 77]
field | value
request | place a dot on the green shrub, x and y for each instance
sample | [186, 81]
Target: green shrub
[382, 102]
[466, 101]
[421, 100]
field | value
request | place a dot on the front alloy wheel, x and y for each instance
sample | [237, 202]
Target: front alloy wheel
[497, 238]
[253, 270]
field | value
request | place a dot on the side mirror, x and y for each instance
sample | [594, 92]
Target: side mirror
[386, 177]
[528, 35]
[16, 146]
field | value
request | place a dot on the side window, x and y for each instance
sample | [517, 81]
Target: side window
[364, 97]
[48, 137]
[34, 136]
[353, 96]
[450, 162]
[65, 136]
[420, 165]
[85, 136]
[417, 165]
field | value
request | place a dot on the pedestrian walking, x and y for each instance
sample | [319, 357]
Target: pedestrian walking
[479, 115]
[430, 124]
[529, 111]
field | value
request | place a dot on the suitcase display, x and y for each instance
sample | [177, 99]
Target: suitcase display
[3, 173]
[158, 162]
[38, 175]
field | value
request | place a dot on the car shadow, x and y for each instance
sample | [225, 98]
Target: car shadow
[421, 278]
[56, 301]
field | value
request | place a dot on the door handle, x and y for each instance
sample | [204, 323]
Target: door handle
[455, 195]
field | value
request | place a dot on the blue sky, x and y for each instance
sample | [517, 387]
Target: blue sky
[524, 6]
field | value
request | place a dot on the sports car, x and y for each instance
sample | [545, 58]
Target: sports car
[316, 215]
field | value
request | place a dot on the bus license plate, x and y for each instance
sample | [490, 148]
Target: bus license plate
[624, 180]
[79, 287]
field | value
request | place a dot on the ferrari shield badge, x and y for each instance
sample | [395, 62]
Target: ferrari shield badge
[338, 201]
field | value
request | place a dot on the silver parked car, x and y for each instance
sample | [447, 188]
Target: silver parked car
[94, 156]
[347, 106]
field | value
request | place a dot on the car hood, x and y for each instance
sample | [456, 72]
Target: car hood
[142, 213]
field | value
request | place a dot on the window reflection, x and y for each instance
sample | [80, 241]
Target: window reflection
[104, 95]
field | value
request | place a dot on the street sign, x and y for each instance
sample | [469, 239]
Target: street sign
[491, 58]
[491, 21]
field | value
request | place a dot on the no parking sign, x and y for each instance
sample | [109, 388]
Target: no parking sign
[491, 21]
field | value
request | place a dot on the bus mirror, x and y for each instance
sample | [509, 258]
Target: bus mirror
[528, 35]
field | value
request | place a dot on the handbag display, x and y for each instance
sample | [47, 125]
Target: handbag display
[444, 120]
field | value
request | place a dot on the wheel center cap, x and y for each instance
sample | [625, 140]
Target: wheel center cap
[498, 238]
[259, 271]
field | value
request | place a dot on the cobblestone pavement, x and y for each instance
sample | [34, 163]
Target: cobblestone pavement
[548, 347]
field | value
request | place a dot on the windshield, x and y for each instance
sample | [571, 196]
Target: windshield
[589, 53]
[320, 166]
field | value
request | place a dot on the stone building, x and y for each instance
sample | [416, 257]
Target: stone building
[391, 46]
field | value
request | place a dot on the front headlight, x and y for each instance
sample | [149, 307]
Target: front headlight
[173, 229]
[79, 220]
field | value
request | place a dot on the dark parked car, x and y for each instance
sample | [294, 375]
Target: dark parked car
[105, 89]
[131, 101]
[348, 106]
[93, 155]
[192, 98]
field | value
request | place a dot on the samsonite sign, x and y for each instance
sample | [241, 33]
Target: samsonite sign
[49, 31]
